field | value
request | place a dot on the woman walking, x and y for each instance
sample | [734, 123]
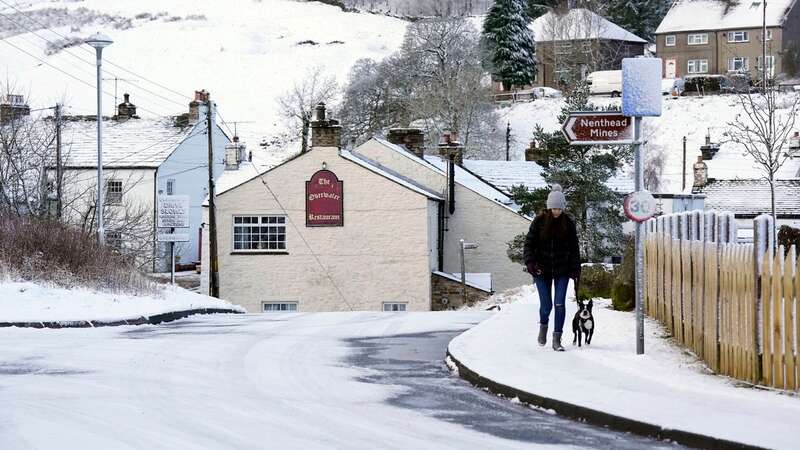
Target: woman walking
[552, 257]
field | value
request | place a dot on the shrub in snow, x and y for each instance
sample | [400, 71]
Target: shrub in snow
[788, 236]
[596, 281]
[42, 249]
[623, 291]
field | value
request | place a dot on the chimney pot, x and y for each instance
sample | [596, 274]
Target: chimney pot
[325, 132]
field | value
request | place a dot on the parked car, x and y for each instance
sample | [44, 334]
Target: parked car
[546, 92]
[737, 82]
[605, 82]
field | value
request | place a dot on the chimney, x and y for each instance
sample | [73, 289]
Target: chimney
[126, 109]
[536, 154]
[235, 153]
[700, 172]
[450, 147]
[413, 139]
[13, 107]
[325, 132]
[794, 141]
[710, 149]
[198, 105]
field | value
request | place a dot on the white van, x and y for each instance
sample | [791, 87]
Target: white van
[605, 82]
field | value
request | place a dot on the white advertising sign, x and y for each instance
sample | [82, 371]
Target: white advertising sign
[173, 211]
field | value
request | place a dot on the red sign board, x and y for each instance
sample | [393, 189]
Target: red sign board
[598, 128]
[324, 200]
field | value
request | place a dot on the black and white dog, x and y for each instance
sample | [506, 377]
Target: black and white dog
[583, 323]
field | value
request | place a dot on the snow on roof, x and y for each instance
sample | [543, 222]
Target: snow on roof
[129, 143]
[752, 197]
[578, 24]
[697, 15]
[247, 171]
[467, 179]
[385, 172]
[481, 281]
[506, 174]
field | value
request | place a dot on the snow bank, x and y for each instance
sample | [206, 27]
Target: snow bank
[31, 302]
[666, 386]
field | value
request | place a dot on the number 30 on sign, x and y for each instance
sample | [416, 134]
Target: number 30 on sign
[640, 206]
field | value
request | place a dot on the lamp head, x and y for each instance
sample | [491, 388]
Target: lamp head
[99, 40]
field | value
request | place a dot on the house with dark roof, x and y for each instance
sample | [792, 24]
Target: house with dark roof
[142, 159]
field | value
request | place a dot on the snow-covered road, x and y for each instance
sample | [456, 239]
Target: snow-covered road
[339, 380]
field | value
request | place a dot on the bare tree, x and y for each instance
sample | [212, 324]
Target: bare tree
[297, 105]
[762, 128]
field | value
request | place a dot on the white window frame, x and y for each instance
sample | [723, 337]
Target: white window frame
[770, 65]
[114, 191]
[395, 306]
[670, 38]
[769, 35]
[694, 66]
[245, 227]
[280, 307]
[697, 39]
[744, 64]
[738, 36]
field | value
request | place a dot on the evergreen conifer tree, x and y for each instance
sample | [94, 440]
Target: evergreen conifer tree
[583, 172]
[509, 44]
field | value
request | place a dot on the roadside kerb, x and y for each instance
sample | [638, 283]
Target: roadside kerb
[142, 320]
[595, 417]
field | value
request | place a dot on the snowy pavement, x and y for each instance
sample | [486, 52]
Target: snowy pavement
[326, 380]
[666, 386]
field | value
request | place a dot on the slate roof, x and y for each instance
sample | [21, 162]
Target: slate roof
[702, 15]
[506, 174]
[749, 198]
[579, 24]
[130, 143]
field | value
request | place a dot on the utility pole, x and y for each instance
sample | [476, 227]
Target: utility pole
[764, 49]
[59, 168]
[212, 211]
[508, 141]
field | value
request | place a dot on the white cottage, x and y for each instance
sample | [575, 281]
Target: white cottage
[376, 228]
[142, 159]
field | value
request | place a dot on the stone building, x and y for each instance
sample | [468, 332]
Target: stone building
[376, 228]
[711, 37]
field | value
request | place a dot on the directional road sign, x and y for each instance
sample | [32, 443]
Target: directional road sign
[598, 128]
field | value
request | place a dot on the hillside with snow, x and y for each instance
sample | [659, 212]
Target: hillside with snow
[247, 53]
[693, 117]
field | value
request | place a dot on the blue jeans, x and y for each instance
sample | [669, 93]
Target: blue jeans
[544, 286]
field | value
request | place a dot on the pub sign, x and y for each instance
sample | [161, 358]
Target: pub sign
[324, 200]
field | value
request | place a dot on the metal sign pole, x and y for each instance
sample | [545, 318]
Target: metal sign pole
[463, 275]
[638, 162]
[172, 258]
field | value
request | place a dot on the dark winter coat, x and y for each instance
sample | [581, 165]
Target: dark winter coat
[553, 255]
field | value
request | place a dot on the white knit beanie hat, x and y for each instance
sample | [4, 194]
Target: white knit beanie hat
[556, 198]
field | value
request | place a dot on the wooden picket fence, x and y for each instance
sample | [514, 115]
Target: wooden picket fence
[733, 305]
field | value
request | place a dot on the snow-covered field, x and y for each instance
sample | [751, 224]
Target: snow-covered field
[693, 117]
[666, 386]
[25, 301]
[246, 53]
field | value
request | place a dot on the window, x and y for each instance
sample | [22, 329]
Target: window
[738, 64]
[769, 35]
[279, 307]
[697, 39]
[770, 65]
[738, 36]
[698, 66]
[394, 307]
[669, 41]
[252, 233]
[170, 187]
[113, 192]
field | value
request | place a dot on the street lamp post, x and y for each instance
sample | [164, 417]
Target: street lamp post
[100, 41]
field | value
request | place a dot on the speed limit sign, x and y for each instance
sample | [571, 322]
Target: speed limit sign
[640, 206]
